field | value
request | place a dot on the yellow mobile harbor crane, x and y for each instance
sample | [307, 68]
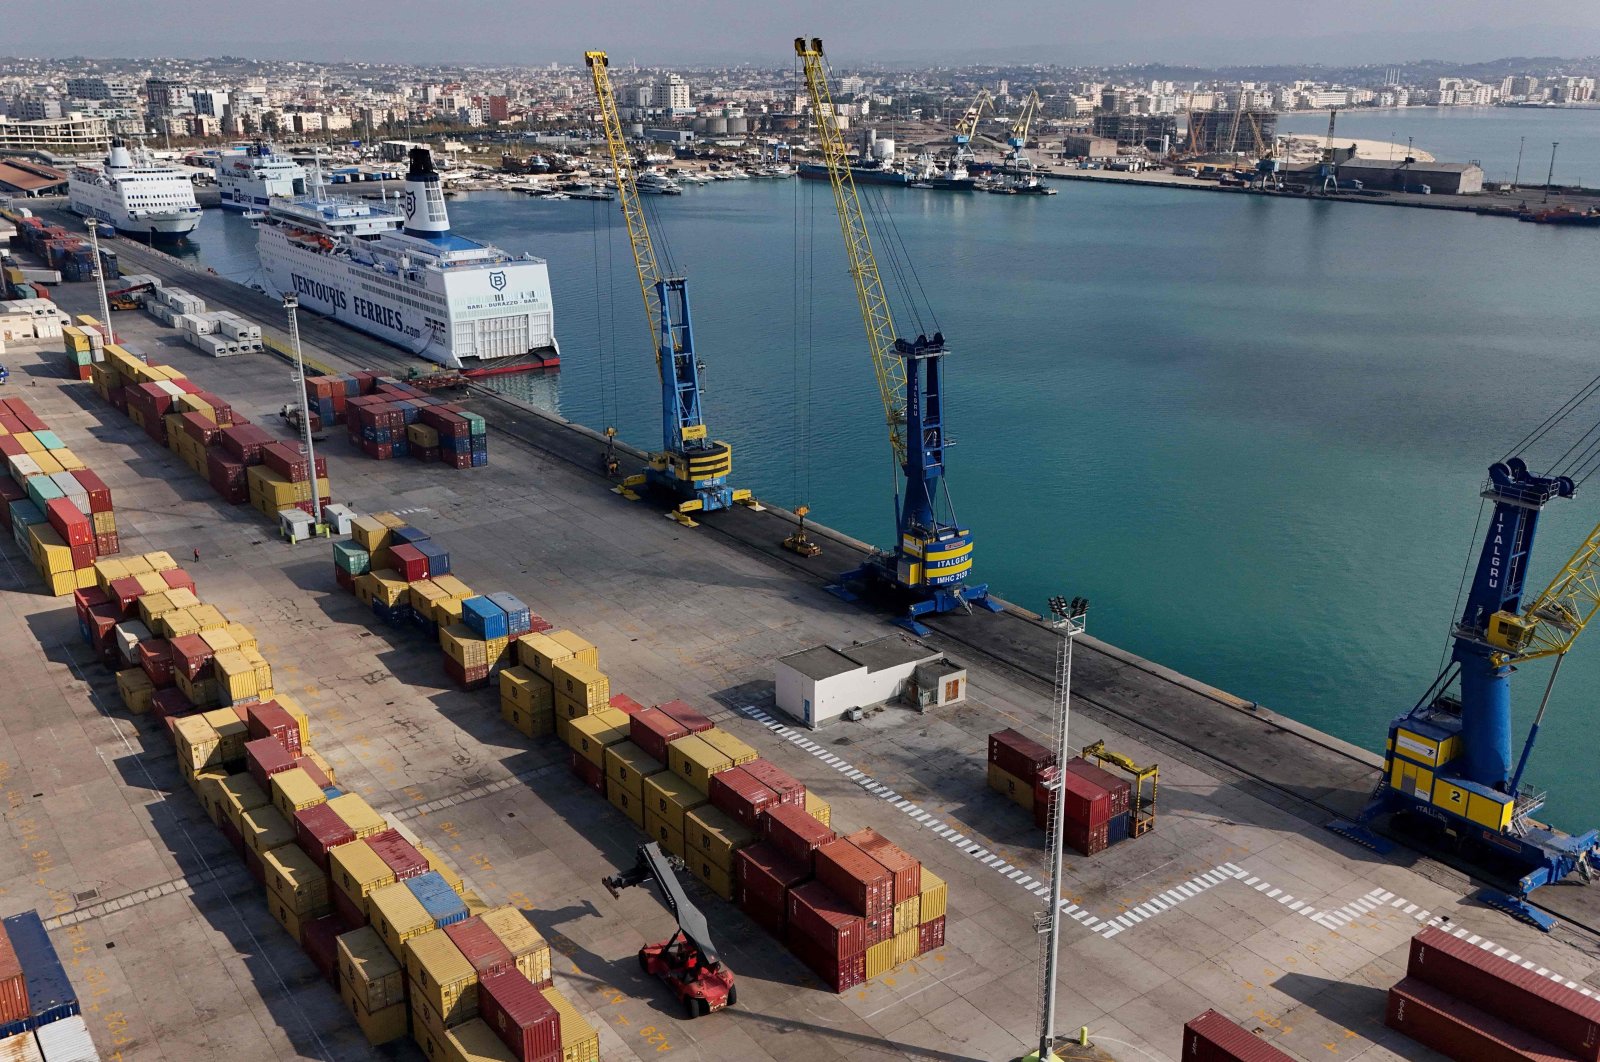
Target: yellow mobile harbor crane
[927, 571]
[690, 468]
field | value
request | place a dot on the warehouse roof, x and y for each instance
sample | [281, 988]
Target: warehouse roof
[28, 177]
[1424, 167]
[823, 662]
[892, 650]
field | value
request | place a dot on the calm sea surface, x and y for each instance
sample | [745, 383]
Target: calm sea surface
[1251, 431]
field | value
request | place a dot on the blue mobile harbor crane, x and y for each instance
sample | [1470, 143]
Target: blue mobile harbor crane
[1448, 772]
[927, 571]
[690, 468]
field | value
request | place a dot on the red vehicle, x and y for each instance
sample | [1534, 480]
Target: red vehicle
[687, 961]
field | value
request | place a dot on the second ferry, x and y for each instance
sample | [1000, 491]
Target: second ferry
[137, 194]
[250, 178]
[405, 278]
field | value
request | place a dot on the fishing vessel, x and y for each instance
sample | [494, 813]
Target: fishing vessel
[401, 275]
[249, 178]
[135, 193]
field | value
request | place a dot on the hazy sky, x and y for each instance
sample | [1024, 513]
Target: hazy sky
[686, 31]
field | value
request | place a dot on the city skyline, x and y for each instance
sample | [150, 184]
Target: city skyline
[895, 31]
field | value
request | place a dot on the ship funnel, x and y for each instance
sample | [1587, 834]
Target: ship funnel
[119, 157]
[424, 198]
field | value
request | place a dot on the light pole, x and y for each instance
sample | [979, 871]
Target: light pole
[1516, 179]
[1068, 619]
[1551, 176]
[291, 306]
[93, 225]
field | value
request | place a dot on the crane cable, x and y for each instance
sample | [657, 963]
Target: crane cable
[1560, 414]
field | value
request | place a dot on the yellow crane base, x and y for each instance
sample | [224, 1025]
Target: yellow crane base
[681, 518]
[625, 491]
[802, 545]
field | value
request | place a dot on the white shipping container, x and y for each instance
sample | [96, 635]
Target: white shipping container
[21, 1048]
[66, 1040]
[129, 634]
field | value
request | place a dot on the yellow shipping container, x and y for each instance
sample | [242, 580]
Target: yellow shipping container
[443, 976]
[474, 903]
[819, 809]
[84, 578]
[232, 733]
[236, 677]
[356, 870]
[526, 945]
[627, 766]
[109, 569]
[179, 623]
[285, 915]
[579, 1041]
[738, 752]
[30, 444]
[264, 830]
[907, 914]
[880, 959]
[473, 1041]
[322, 765]
[695, 761]
[197, 742]
[630, 804]
[61, 584]
[590, 735]
[240, 793]
[241, 635]
[293, 790]
[398, 916]
[298, 714]
[209, 617]
[718, 879]
[297, 881]
[47, 463]
[104, 523]
[390, 520]
[358, 815]
[205, 785]
[453, 587]
[526, 688]
[51, 555]
[136, 690]
[670, 797]
[365, 586]
[581, 650]
[670, 840]
[1011, 787]
[421, 595]
[537, 723]
[424, 1016]
[378, 1026]
[430, 1043]
[447, 611]
[464, 647]
[582, 682]
[906, 945]
[710, 834]
[366, 965]
[68, 460]
[202, 693]
[150, 583]
[369, 534]
[542, 652]
[389, 589]
[567, 708]
[934, 899]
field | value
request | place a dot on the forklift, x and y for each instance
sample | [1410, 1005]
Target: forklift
[687, 961]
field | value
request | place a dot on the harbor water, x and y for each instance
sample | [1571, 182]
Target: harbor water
[1251, 431]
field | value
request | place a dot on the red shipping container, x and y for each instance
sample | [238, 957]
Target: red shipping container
[99, 493]
[588, 773]
[478, 944]
[455, 458]
[1019, 755]
[319, 939]
[1214, 1038]
[345, 580]
[1509, 991]
[687, 717]
[191, 656]
[13, 983]
[245, 443]
[653, 730]
[178, 579]
[169, 703]
[227, 475]
[764, 875]
[309, 765]
[83, 556]
[768, 916]
[155, 656]
[907, 871]
[320, 828]
[107, 544]
[1084, 801]
[822, 920]
[269, 719]
[1436, 1019]
[265, 757]
[235, 839]
[11, 447]
[1086, 840]
[837, 972]
[378, 451]
[930, 935]
[794, 832]
[398, 854]
[252, 863]
[520, 1015]
[623, 703]
[411, 562]
[69, 522]
[103, 620]
[475, 677]
[790, 789]
[1119, 788]
[736, 792]
[84, 600]
[862, 883]
[343, 906]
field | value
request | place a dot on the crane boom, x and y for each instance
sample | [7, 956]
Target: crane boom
[967, 127]
[887, 366]
[1019, 128]
[1552, 622]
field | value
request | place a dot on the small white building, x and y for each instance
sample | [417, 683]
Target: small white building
[819, 685]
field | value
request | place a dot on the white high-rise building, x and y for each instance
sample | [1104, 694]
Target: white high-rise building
[672, 94]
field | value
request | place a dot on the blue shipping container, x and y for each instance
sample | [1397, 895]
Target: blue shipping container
[332, 791]
[484, 618]
[437, 898]
[480, 460]
[519, 618]
[408, 534]
[50, 993]
[438, 557]
[1117, 829]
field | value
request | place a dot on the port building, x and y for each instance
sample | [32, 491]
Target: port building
[1441, 178]
[76, 134]
[819, 685]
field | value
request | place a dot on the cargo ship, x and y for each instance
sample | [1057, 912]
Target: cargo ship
[923, 172]
[405, 278]
[249, 179]
[137, 195]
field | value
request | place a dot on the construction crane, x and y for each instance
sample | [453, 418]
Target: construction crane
[1018, 138]
[687, 961]
[927, 571]
[967, 127]
[691, 469]
[1327, 172]
[1448, 767]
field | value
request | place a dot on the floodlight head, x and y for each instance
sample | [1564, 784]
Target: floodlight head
[1058, 606]
[291, 301]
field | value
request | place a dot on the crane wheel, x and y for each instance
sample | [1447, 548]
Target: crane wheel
[733, 995]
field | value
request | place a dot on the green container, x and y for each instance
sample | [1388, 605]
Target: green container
[476, 424]
[42, 489]
[351, 558]
[49, 440]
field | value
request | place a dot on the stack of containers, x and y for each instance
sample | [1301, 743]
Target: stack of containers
[387, 418]
[1213, 1037]
[219, 333]
[57, 510]
[202, 429]
[378, 913]
[1097, 803]
[83, 346]
[35, 994]
[1016, 762]
[1468, 1003]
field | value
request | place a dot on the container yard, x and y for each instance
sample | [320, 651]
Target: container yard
[1235, 900]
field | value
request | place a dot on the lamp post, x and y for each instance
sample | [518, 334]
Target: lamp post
[1067, 618]
[291, 306]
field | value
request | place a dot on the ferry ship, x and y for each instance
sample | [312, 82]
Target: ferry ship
[404, 277]
[249, 179]
[137, 195]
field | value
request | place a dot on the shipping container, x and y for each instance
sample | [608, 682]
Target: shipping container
[358, 815]
[319, 939]
[1086, 840]
[366, 964]
[318, 829]
[930, 935]
[737, 792]
[653, 730]
[738, 752]
[763, 876]
[711, 834]
[907, 871]
[628, 765]
[67, 1040]
[437, 897]
[670, 798]
[474, 1041]
[790, 789]
[478, 944]
[442, 976]
[402, 858]
[934, 900]
[1212, 1037]
[591, 735]
[264, 830]
[13, 984]
[794, 833]
[50, 993]
[294, 790]
[1564, 1016]
[1121, 789]
[530, 950]
[381, 1026]
[520, 1016]
[1457, 1030]
[695, 760]
[1017, 790]
[397, 916]
[862, 882]
[1084, 800]
[820, 918]
[356, 870]
[297, 881]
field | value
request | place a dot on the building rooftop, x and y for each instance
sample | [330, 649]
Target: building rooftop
[1399, 164]
[822, 662]
[24, 177]
[889, 651]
